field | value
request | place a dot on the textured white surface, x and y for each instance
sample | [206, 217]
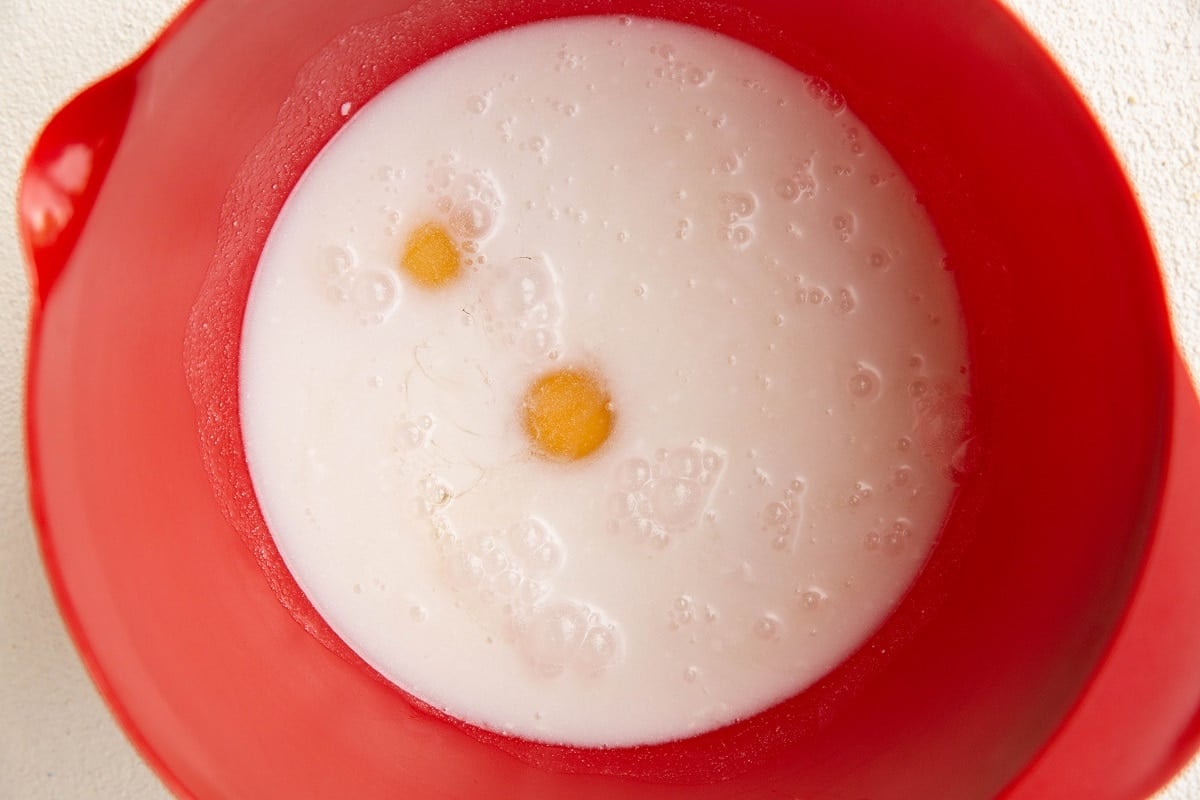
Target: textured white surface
[1137, 63]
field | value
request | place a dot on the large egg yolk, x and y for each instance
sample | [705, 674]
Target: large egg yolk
[567, 414]
[431, 257]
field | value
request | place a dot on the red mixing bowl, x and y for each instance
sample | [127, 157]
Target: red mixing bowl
[1048, 650]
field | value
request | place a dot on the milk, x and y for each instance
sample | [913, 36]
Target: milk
[721, 243]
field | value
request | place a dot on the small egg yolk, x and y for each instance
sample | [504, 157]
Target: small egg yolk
[431, 258]
[567, 414]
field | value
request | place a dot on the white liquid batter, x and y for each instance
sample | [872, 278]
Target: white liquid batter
[729, 249]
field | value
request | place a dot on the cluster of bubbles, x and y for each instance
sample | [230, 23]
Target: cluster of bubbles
[781, 518]
[691, 615]
[654, 500]
[506, 577]
[566, 108]
[504, 568]
[893, 538]
[852, 138]
[521, 304]
[800, 185]
[568, 635]
[844, 225]
[829, 98]
[538, 145]
[860, 494]
[468, 199]
[567, 61]
[716, 119]
[678, 71]
[842, 299]
[370, 293]
[737, 213]
[686, 610]
[506, 127]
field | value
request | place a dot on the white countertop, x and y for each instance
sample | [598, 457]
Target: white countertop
[1137, 63]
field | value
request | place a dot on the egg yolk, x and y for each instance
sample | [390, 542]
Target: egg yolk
[431, 257]
[567, 414]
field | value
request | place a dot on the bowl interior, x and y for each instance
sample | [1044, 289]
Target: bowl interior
[158, 553]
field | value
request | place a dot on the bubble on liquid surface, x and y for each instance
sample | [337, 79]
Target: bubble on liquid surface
[698, 77]
[864, 384]
[555, 635]
[600, 650]
[374, 294]
[729, 164]
[478, 103]
[811, 597]
[901, 477]
[768, 627]
[879, 258]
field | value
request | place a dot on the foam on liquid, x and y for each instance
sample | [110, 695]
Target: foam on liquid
[728, 249]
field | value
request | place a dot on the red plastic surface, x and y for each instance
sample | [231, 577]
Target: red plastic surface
[988, 667]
